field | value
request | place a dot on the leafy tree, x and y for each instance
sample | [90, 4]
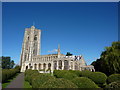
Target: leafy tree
[109, 61]
[7, 63]
[12, 64]
[17, 67]
[69, 54]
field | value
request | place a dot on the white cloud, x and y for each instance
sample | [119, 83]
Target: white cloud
[52, 51]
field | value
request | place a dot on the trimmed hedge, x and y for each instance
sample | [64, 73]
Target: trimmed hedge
[85, 73]
[113, 78]
[58, 83]
[65, 74]
[37, 81]
[35, 78]
[69, 76]
[29, 74]
[98, 77]
[59, 73]
[66, 79]
[114, 85]
[77, 72]
[8, 73]
[83, 82]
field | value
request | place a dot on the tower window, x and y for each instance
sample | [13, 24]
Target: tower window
[35, 38]
[33, 51]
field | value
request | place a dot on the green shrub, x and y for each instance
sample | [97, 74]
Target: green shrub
[4, 76]
[29, 73]
[113, 78]
[32, 76]
[98, 77]
[37, 81]
[59, 73]
[83, 82]
[18, 68]
[85, 73]
[8, 73]
[58, 83]
[69, 76]
[114, 85]
[77, 72]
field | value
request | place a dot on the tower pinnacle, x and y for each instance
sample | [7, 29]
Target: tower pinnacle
[33, 26]
[58, 50]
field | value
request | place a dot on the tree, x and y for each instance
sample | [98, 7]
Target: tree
[69, 54]
[12, 64]
[109, 61]
[18, 67]
[7, 63]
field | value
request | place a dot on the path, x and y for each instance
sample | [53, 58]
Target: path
[17, 82]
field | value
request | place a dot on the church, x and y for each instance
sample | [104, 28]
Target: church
[30, 57]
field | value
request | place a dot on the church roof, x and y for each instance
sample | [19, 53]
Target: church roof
[48, 55]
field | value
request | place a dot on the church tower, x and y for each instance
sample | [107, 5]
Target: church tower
[31, 44]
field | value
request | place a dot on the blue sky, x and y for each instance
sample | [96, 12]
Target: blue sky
[79, 28]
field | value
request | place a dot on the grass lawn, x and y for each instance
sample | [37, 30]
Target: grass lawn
[4, 85]
[27, 85]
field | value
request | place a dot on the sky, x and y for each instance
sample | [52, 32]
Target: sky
[80, 28]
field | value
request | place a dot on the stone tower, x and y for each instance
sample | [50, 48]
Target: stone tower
[30, 46]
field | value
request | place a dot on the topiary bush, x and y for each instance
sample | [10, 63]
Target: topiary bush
[114, 85]
[32, 76]
[8, 73]
[59, 73]
[98, 77]
[40, 79]
[29, 73]
[77, 72]
[69, 76]
[84, 82]
[58, 83]
[85, 73]
[113, 78]
[4, 76]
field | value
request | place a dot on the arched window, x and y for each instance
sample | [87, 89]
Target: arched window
[30, 65]
[39, 66]
[55, 65]
[60, 64]
[76, 66]
[44, 66]
[28, 38]
[66, 65]
[35, 66]
[26, 67]
[35, 38]
[25, 58]
[49, 66]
